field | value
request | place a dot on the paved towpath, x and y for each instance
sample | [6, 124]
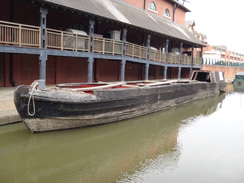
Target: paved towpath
[8, 113]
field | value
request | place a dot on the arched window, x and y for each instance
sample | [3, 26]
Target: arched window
[152, 6]
[167, 12]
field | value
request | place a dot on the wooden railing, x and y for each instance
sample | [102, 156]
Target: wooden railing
[107, 46]
[19, 34]
[156, 55]
[67, 41]
[22, 35]
[136, 51]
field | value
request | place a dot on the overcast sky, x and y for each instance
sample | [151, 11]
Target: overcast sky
[222, 21]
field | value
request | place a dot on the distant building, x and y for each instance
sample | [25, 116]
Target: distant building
[215, 55]
[220, 55]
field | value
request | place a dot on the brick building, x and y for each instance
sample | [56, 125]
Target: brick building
[89, 41]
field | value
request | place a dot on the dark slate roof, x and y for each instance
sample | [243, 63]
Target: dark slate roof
[122, 12]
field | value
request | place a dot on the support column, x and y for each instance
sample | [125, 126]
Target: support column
[42, 68]
[148, 46]
[43, 55]
[122, 71]
[166, 54]
[90, 69]
[180, 61]
[192, 59]
[91, 34]
[43, 25]
[124, 40]
[146, 71]
[201, 55]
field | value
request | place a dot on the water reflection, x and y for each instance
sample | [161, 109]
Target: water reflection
[108, 153]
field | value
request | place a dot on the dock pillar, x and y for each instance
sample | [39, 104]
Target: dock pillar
[148, 46]
[90, 69]
[180, 61]
[43, 55]
[146, 71]
[91, 34]
[43, 25]
[192, 59]
[122, 71]
[165, 71]
[42, 66]
[166, 58]
[124, 41]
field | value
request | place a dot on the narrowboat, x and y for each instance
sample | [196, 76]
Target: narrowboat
[239, 81]
[77, 105]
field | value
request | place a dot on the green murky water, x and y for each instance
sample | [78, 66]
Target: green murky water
[202, 141]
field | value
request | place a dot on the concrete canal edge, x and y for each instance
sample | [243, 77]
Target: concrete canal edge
[9, 119]
[8, 113]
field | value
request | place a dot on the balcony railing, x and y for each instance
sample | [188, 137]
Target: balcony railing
[19, 34]
[67, 41]
[22, 35]
[107, 46]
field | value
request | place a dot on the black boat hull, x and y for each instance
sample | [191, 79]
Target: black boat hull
[55, 111]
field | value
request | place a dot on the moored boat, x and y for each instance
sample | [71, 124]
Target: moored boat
[239, 81]
[77, 105]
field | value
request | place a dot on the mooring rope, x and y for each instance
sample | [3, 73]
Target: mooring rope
[33, 101]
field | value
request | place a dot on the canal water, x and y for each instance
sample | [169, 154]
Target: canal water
[202, 141]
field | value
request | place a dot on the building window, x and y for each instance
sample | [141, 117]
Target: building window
[152, 6]
[166, 12]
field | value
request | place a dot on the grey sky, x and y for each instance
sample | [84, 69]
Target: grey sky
[221, 20]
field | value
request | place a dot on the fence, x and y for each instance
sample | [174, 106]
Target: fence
[19, 34]
[67, 41]
[107, 46]
[22, 35]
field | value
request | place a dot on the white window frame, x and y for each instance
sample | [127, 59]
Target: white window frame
[152, 7]
[167, 13]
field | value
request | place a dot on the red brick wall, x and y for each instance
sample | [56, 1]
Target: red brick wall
[229, 72]
[137, 3]
[106, 70]
[134, 71]
[172, 73]
[161, 5]
[69, 69]
[2, 70]
[185, 73]
[25, 69]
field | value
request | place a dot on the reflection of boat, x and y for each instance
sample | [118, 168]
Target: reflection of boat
[239, 81]
[110, 152]
[77, 105]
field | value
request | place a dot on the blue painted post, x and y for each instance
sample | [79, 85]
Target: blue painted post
[91, 59]
[122, 72]
[146, 71]
[42, 66]
[180, 61]
[43, 24]
[91, 34]
[90, 69]
[43, 55]
[124, 40]
[166, 59]
[192, 59]
[148, 46]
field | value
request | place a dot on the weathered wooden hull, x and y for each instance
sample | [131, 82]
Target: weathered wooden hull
[57, 110]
